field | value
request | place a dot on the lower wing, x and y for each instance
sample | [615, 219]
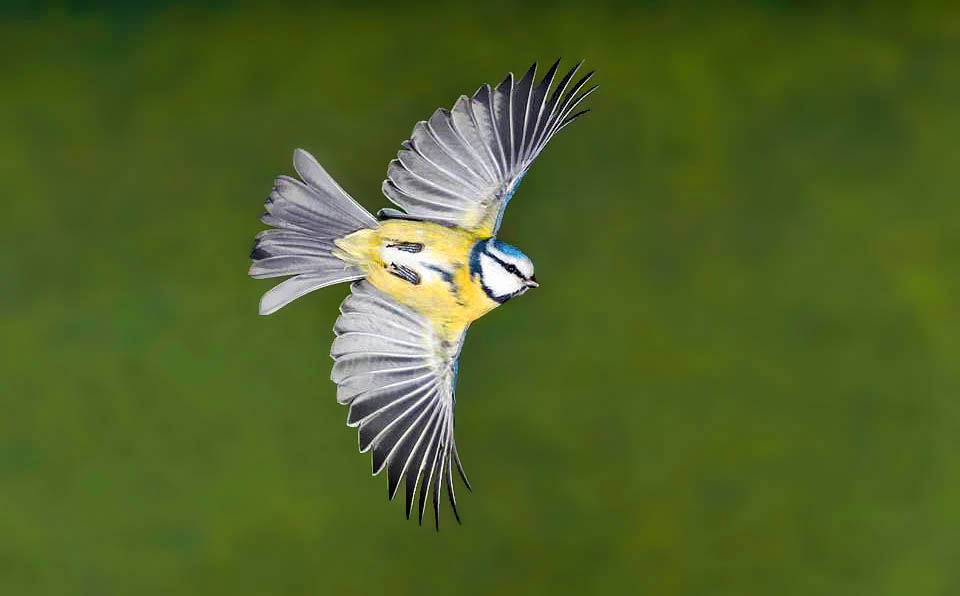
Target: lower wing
[398, 377]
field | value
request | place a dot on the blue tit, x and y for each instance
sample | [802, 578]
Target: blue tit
[419, 274]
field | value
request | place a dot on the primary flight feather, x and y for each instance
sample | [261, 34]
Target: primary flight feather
[422, 273]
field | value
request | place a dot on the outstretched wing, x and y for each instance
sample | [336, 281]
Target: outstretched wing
[461, 166]
[398, 378]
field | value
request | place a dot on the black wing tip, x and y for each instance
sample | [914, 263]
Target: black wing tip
[392, 490]
[463, 475]
[573, 70]
[484, 89]
[456, 514]
[258, 253]
[577, 86]
[422, 503]
[409, 502]
[553, 69]
[451, 497]
[547, 79]
[570, 119]
[531, 71]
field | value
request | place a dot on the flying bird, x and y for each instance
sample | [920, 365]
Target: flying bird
[420, 274]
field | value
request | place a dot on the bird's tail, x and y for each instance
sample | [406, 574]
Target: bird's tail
[308, 216]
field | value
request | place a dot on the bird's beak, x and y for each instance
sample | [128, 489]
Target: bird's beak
[532, 282]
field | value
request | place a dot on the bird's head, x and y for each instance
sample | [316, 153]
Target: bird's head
[504, 271]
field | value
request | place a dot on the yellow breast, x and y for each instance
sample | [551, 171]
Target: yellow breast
[447, 294]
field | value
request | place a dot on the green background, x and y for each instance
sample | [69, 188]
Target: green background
[740, 375]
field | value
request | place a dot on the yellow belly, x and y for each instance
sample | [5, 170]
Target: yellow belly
[451, 303]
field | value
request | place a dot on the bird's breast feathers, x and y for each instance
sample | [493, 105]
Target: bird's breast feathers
[423, 265]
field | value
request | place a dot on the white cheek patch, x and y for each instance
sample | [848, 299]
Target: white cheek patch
[526, 268]
[497, 279]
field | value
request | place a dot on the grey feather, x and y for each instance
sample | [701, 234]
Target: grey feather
[428, 143]
[360, 342]
[443, 176]
[309, 217]
[351, 387]
[377, 400]
[503, 114]
[317, 178]
[400, 456]
[521, 110]
[391, 438]
[368, 300]
[467, 141]
[398, 379]
[418, 457]
[292, 264]
[538, 102]
[368, 363]
[375, 427]
[462, 165]
[362, 322]
[428, 465]
[295, 287]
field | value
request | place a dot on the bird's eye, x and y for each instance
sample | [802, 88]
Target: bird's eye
[512, 269]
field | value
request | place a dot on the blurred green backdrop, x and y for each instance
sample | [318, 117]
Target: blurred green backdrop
[740, 376]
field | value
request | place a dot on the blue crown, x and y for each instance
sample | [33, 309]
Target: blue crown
[508, 249]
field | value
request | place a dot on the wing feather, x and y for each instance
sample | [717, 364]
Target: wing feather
[397, 377]
[359, 341]
[567, 105]
[461, 166]
[450, 130]
[376, 401]
[521, 110]
[374, 428]
[538, 103]
[469, 139]
[429, 465]
[418, 460]
[400, 456]
[429, 150]
[487, 115]
[430, 175]
[503, 114]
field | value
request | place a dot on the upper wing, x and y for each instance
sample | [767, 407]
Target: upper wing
[398, 378]
[461, 166]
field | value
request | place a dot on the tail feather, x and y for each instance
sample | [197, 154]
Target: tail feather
[318, 178]
[288, 291]
[310, 216]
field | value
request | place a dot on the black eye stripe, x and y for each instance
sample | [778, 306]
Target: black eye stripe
[510, 267]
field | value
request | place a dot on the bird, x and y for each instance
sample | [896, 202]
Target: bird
[420, 273]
